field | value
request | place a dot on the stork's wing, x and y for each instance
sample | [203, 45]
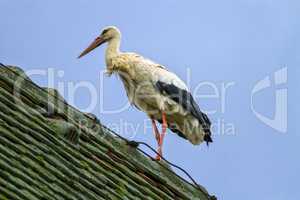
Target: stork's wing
[186, 100]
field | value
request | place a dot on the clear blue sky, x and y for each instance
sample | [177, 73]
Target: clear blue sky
[239, 42]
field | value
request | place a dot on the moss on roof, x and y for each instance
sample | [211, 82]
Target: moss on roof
[49, 150]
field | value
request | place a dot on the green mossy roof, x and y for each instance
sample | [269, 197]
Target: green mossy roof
[49, 150]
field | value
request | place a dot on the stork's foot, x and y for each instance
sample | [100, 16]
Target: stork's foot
[157, 158]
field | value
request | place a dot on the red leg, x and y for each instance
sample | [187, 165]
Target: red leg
[156, 132]
[164, 128]
[162, 136]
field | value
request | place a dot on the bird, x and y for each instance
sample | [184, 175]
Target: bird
[155, 90]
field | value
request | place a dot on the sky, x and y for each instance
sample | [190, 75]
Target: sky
[240, 59]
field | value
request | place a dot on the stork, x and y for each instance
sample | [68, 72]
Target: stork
[154, 90]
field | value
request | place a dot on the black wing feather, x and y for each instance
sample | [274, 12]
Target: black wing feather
[186, 100]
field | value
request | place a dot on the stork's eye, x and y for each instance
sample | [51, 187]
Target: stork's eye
[104, 31]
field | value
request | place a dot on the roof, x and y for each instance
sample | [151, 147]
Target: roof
[50, 150]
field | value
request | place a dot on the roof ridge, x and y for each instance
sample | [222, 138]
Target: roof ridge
[42, 119]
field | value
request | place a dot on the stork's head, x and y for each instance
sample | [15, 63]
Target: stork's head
[107, 34]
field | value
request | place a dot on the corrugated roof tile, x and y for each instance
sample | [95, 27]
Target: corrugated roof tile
[50, 150]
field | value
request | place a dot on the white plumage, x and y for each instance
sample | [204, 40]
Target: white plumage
[154, 90]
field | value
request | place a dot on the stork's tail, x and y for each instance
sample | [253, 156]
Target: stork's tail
[207, 138]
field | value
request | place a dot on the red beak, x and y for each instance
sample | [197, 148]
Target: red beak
[96, 43]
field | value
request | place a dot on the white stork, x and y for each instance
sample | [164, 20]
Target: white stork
[155, 90]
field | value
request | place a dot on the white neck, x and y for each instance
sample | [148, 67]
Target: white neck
[113, 49]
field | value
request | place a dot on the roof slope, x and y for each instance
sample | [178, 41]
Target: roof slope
[49, 150]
